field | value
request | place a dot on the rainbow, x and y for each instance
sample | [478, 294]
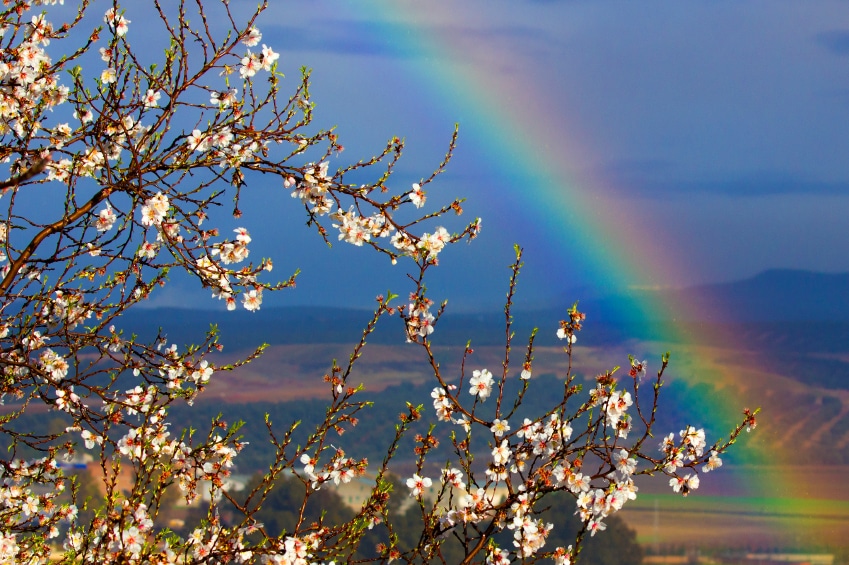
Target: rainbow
[504, 122]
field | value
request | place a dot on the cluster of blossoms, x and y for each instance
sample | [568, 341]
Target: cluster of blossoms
[528, 534]
[569, 327]
[155, 209]
[67, 308]
[481, 384]
[26, 90]
[541, 455]
[595, 504]
[339, 470]
[126, 134]
[28, 497]
[690, 448]
[177, 373]
[223, 147]
[105, 219]
[356, 229]
[210, 462]
[126, 536]
[420, 320]
[294, 550]
[252, 62]
[54, 366]
[428, 246]
[235, 251]
[616, 405]
[540, 440]
[442, 405]
[313, 190]
[213, 272]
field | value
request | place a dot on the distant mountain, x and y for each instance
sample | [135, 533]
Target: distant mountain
[773, 297]
[778, 294]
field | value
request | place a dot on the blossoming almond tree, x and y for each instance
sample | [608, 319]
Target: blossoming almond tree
[133, 154]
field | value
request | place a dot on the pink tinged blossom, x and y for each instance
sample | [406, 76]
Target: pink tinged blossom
[202, 373]
[252, 299]
[432, 244]
[418, 484]
[417, 196]
[563, 556]
[252, 38]
[675, 462]
[223, 99]
[499, 427]
[131, 445]
[66, 400]
[617, 404]
[151, 99]
[569, 337]
[713, 462]
[30, 506]
[148, 250]
[221, 138]
[579, 482]
[198, 141]
[441, 404]
[694, 440]
[684, 484]
[454, 477]
[108, 76]
[54, 365]
[132, 540]
[250, 65]
[481, 384]
[595, 526]
[638, 369]
[154, 210]
[105, 219]
[501, 454]
[242, 235]
[91, 439]
[625, 464]
[117, 22]
[269, 57]
[496, 556]
[84, 115]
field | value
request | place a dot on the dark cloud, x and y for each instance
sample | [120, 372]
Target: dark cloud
[657, 179]
[764, 185]
[625, 169]
[836, 41]
[350, 38]
[364, 38]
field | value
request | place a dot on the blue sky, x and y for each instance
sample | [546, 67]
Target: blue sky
[717, 130]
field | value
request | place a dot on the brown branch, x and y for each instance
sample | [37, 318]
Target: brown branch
[56, 227]
[37, 167]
